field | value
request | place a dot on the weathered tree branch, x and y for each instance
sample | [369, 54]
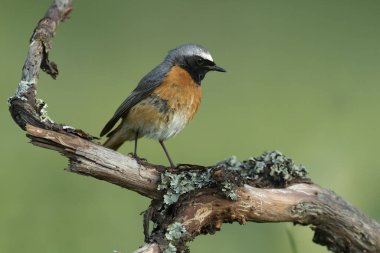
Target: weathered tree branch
[191, 199]
[337, 224]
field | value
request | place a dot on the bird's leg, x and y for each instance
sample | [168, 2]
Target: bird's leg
[134, 155]
[166, 153]
[136, 138]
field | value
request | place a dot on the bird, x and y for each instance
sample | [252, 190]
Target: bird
[164, 101]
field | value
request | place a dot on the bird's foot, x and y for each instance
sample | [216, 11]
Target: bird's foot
[182, 166]
[138, 159]
[187, 167]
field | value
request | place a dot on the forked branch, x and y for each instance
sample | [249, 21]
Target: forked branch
[191, 199]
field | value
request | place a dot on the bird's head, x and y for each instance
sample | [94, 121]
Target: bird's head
[194, 58]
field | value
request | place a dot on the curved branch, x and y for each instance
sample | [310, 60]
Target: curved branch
[24, 107]
[192, 199]
[337, 224]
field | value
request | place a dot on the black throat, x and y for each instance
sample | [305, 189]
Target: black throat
[196, 74]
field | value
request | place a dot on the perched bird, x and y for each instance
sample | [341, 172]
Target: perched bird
[164, 101]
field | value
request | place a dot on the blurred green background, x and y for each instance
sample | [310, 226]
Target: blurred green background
[303, 78]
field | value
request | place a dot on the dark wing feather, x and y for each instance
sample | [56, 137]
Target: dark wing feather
[143, 89]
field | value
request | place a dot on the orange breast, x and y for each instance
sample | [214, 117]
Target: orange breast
[181, 92]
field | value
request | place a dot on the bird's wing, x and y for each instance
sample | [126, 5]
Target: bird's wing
[143, 89]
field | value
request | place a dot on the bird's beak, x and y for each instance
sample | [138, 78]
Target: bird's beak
[217, 68]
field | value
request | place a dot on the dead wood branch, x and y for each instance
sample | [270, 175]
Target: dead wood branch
[191, 199]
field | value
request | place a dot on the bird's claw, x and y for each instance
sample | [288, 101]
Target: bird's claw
[137, 158]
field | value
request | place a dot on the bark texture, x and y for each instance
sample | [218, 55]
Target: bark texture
[191, 199]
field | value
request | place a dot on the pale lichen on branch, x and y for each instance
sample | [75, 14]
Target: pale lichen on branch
[271, 169]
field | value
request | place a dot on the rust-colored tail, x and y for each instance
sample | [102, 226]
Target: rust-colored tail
[113, 143]
[117, 138]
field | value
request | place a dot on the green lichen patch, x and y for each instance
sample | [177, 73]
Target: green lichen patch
[42, 106]
[229, 190]
[271, 169]
[175, 233]
[170, 249]
[177, 184]
[22, 89]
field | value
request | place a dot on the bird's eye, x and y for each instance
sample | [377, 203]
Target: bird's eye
[200, 61]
